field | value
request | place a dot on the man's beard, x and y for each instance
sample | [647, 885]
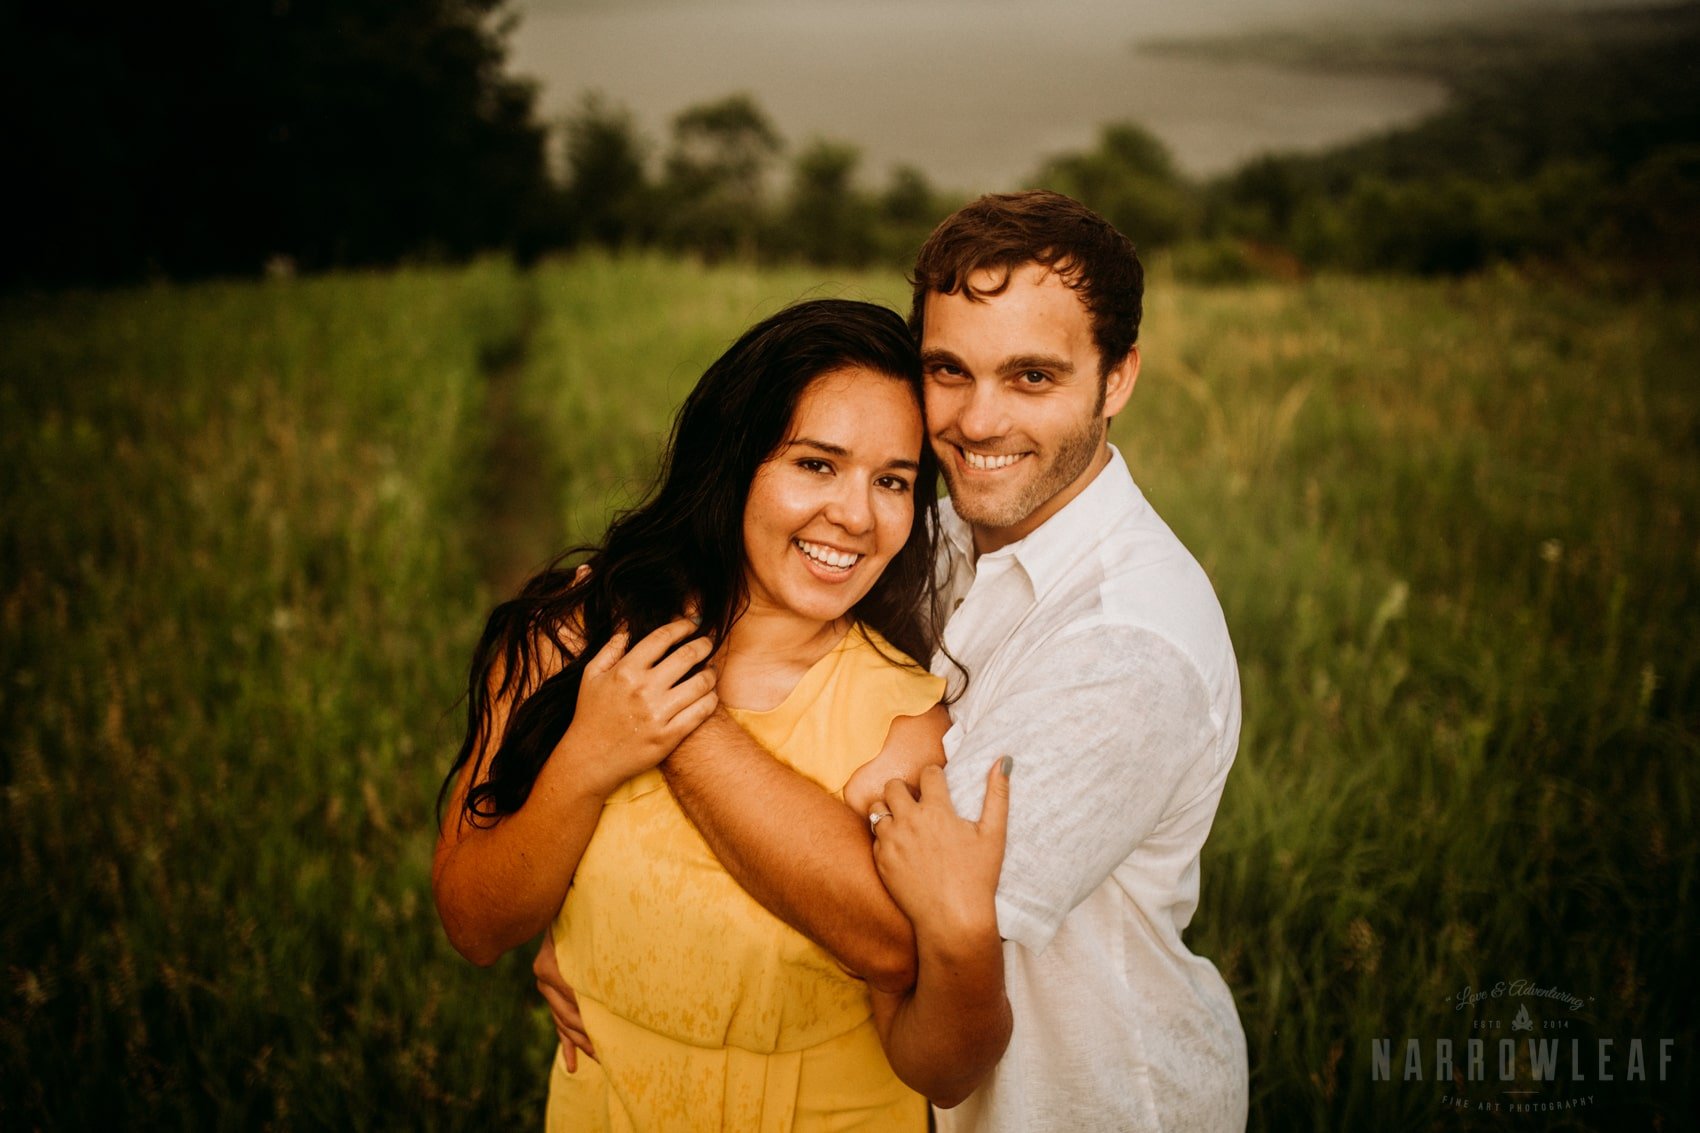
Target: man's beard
[1071, 458]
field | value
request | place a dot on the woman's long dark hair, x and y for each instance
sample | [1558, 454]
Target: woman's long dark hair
[683, 545]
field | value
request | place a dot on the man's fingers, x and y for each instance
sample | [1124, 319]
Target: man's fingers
[994, 815]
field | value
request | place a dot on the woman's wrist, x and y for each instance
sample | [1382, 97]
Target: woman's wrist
[958, 933]
[576, 769]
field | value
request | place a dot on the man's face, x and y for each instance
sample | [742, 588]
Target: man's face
[1015, 406]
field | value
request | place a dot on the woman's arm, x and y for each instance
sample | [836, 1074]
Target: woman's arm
[945, 1034]
[499, 885]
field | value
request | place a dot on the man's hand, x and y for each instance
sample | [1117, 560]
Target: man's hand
[563, 1004]
[942, 870]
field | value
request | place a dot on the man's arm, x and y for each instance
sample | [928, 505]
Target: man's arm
[800, 852]
[1117, 740]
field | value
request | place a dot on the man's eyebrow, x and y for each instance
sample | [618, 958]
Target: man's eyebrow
[1049, 362]
[941, 357]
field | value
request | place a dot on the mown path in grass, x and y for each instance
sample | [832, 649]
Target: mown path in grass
[519, 520]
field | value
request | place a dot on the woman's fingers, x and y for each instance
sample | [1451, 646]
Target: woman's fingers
[687, 692]
[652, 648]
[691, 716]
[898, 800]
[608, 656]
[672, 668]
[994, 815]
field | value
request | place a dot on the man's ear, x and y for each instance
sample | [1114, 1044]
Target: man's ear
[1118, 383]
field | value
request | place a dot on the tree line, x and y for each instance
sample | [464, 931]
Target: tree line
[202, 138]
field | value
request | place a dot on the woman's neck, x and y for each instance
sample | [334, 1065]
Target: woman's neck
[767, 653]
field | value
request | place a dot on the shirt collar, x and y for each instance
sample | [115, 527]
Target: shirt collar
[1058, 542]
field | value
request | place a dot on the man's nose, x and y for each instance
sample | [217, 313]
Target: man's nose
[984, 414]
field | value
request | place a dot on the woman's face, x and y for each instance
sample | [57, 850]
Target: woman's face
[832, 505]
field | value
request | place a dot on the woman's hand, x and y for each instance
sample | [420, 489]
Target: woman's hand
[635, 706]
[942, 870]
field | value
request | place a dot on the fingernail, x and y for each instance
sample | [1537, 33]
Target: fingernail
[1006, 765]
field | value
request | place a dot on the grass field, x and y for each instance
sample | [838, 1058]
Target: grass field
[250, 531]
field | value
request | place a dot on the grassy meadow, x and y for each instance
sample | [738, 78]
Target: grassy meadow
[250, 531]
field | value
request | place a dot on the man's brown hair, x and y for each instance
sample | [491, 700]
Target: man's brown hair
[1001, 232]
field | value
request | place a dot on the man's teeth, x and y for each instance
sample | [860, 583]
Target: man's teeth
[991, 463]
[826, 556]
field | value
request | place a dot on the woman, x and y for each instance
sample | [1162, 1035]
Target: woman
[785, 518]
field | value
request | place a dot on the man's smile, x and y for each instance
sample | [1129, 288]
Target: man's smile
[990, 462]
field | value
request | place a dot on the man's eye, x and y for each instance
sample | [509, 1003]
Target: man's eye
[944, 372]
[1034, 377]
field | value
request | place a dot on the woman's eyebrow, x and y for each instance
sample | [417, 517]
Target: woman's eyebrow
[840, 451]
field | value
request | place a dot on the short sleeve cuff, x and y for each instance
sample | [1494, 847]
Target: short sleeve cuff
[1031, 932]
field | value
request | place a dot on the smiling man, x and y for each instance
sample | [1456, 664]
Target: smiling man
[1084, 640]
[1097, 654]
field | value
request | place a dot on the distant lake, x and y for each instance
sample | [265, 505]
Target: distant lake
[973, 93]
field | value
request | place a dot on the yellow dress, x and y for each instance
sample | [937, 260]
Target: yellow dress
[708, 1012]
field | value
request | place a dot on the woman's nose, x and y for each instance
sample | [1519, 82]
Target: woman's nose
[850, 508]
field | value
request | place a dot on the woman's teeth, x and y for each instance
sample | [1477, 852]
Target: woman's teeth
[826, 556]
[991, 463]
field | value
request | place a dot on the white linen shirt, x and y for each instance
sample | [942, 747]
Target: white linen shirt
[1098, 657]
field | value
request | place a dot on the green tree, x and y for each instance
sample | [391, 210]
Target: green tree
[607, 189]
[196, 137]
[716, 180]
[828, 221]
[1129, 179]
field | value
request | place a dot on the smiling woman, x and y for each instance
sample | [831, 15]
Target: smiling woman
[837, 501]
[785, 520]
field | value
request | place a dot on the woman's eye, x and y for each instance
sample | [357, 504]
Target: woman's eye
[894, 483]
[812, 464]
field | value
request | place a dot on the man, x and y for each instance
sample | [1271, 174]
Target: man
[1096, 654]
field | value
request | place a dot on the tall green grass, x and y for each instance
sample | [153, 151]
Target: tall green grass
[245, 542]
[237, 602]
[1454, 528]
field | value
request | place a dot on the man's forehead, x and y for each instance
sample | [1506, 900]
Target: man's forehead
[1034, 311]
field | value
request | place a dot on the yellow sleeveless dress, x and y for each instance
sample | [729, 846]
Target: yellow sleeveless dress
[708, 1012]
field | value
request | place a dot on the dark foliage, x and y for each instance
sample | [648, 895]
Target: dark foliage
[1592, 157]
[196, 138]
